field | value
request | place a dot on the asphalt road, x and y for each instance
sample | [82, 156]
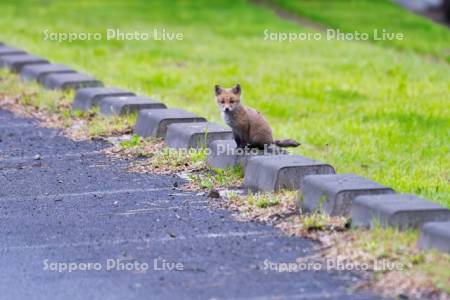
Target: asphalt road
[130, 236]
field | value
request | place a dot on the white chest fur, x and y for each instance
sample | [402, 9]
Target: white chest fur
[228, 118]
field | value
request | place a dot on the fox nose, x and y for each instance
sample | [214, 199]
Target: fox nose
[227, 109]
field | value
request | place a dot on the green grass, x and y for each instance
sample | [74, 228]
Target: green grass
[263, 200]
[31, 93]
[134, 141]
[361, 106]
[102, 126]
[216, 178]
[420, 35]
[400, 246]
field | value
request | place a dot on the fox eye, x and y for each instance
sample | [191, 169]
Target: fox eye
[223, 102]
[231, 101]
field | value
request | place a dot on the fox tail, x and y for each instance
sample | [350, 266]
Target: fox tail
[286, 143]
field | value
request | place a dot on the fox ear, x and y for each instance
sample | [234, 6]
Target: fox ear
[237, 89]
[218, 89]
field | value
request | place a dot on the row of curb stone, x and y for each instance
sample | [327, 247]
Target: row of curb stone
[367, 203]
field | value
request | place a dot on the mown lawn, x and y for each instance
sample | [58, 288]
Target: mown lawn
[420, 35]
[364, 107]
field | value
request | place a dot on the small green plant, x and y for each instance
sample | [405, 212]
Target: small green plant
[228, 176]
[27, 99]
[263, 200]
[215, 178]
[204, 143]
[100, 125]
[267, 202]
[322, 201]
[314, 221]
[78, 113]
[232, 195]
[134, 141]
[198, 155]
[418, 258]
[168, 157]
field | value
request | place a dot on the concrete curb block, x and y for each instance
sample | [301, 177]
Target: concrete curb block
[154, 122]
[195, 135]
[397, 210]
[122, 105]
[435, 235]
[225, 154]
[39, 72]
[6, 50]
[15, 62]
[86, 98]
[271, 173]
[69, 81]
[217, 159]
[334, 194]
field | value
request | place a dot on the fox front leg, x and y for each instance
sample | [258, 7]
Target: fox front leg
[238, 140]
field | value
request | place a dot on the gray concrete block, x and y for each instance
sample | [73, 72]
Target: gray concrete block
[6, 50]
[435, 235]
[39, 72]
[68, 81]
[224, 154]
[154, 122]
[397, 210]
[86, 98]
[195, 135]
[120, 105]
[334, 194]
[15, 62]
[269, 173]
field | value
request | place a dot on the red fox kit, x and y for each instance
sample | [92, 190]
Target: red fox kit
[249, 127]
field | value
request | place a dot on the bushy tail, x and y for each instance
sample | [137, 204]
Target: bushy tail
[286, 143]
